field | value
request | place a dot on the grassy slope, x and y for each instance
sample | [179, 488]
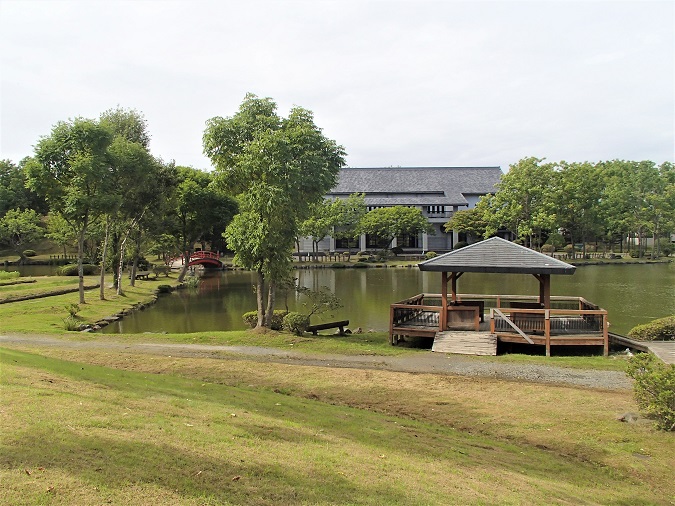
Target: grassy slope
[212, 432]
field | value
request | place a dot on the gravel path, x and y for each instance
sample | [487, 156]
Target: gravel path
[424, 362]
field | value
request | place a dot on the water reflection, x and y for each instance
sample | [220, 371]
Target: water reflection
[631, 293]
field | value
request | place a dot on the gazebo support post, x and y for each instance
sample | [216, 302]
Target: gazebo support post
[442, 320]
[544, 289]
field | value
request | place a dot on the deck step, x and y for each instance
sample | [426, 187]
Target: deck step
[465, 343]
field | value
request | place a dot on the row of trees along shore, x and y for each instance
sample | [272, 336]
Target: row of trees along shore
[616, 203]
[93, 183]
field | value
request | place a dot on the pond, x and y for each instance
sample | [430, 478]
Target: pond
[632, 294]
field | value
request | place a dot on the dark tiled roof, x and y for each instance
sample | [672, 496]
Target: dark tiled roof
[394, 183]
[497, 255]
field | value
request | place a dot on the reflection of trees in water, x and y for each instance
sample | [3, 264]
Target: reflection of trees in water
[631, 293]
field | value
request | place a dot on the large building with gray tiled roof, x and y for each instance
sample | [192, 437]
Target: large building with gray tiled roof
[437, 191]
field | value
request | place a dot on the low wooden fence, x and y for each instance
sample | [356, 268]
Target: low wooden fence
[514, 318]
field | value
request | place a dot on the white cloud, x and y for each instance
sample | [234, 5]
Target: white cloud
[396, 83]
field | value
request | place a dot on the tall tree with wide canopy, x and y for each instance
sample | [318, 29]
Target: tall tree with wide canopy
[278, 168]
[71, 170]
[387, 223]
[523, 202]
[577, 196]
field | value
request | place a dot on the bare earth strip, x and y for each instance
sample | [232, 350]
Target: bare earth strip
[435, 363]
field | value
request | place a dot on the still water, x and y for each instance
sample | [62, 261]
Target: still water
[632, 294]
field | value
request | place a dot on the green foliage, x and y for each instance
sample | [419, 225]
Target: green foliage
[386, 223]
[662, 329]
[192, 282]
[397, 250]
[20, 228]
[666, 247]
[73, 309]
[164, 289]
[556, 240]
[654, 388]
[9, 274]
[279, 169]
[71, 270]
[547, 248]
[29, 253]
[430, 254]
[71, 323]
[250, 318]
[470, 221]
[361, 264]
[296, 323]
[461, 244]
[319, 301]
[278, 319]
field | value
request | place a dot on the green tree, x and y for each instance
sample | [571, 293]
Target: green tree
[199, 205]
[278, 168]
[577, 198]
[523, 202]
[20, 229]
[60, 232]
[348, 214]
[474, 222]
[71, 171]
[386, 223]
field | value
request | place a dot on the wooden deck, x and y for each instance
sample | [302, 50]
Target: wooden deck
[572, 321]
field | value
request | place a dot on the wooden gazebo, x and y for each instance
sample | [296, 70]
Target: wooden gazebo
[541, 320]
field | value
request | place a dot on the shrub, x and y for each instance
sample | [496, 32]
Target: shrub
[164, 289]
[296, 323]
[556, 240]
[192, 281]
[9, 274]
[361, 264]
[547, 248]
[29, 253]
[277, 322]
[338, 265]
[637, 253]
[397, 250]
[364, 258]
[666, 247]
[71, 270]
[71, 323]
[430, 254]
[569, 249]
[250, 318]
[654, 388]
[461, 244]
[662, 329]
[73, 309]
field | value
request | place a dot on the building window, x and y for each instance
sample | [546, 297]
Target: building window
[408, 241]
[436, 209]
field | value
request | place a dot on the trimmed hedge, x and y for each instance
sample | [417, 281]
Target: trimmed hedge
[662, 329]
[296, 323]
[251, 319]
[71, 270]
[29, 253]
[430, 254]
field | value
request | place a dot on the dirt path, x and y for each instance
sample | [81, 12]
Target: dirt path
[424, 362]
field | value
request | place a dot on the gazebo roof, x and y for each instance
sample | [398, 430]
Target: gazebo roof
[497, 255]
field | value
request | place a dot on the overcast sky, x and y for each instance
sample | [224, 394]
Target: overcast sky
[407, 83]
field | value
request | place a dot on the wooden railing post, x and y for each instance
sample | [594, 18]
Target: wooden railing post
[605, 336]
[547, 331]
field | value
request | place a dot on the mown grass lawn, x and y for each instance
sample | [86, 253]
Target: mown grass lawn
[95, 428]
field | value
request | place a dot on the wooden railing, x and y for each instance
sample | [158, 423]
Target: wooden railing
[570, 320]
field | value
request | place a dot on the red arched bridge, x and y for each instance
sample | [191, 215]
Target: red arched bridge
[205, 258]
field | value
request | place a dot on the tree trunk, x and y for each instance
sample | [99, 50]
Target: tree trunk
[184, 270]
[271, 297]
[80, 258]
[259, 295]
[103, 258]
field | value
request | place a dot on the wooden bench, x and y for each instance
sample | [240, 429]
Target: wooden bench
[142, 274]
[479, 303]
[330, 325]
